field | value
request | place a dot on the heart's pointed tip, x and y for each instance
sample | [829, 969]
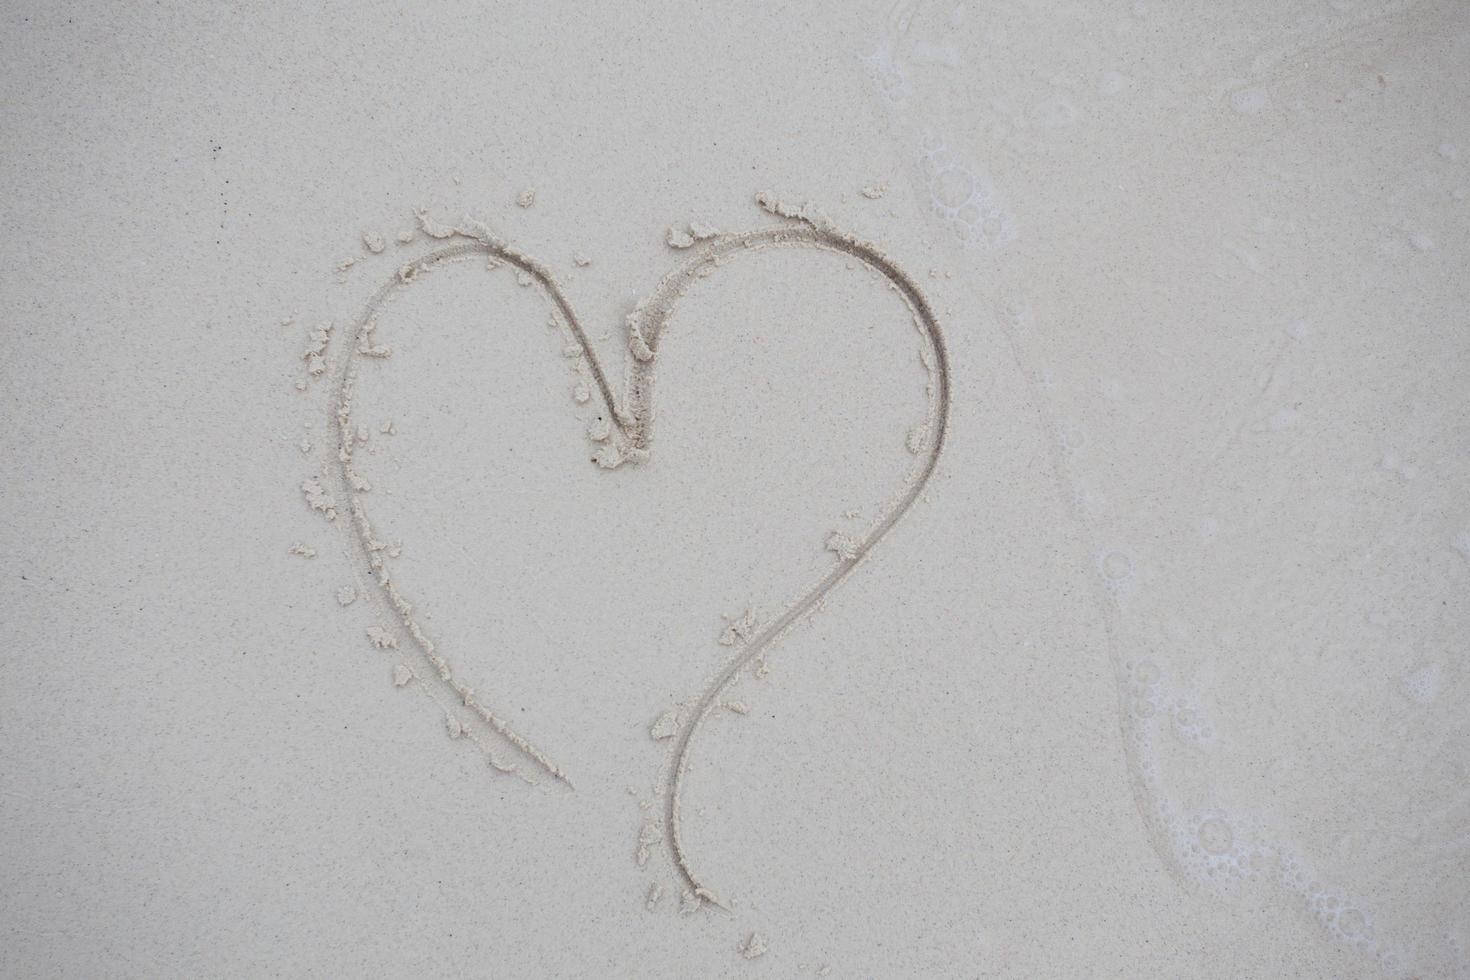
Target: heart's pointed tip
[610, 457]
[705, 895]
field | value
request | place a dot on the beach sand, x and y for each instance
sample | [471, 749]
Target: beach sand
[854, 490]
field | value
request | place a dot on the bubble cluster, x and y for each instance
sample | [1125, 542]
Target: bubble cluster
[1189, 725]
[1422, 685]
[1216, 847]
[1224, 851]
[1150, 708]
[1248, 101]
[888, 74]
[1215, 836]
[965, 200]
[1343, 917]
[1143, 699]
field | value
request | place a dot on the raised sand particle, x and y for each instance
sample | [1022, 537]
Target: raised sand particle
[649, 836]
[316, 348]
[432, 228]
[754, 945]
[665, 726]
[739, 630]
[319, 498]
[843, 544]
[381, 638]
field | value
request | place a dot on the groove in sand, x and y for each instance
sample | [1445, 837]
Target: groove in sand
[476, 242]
[633, 422]
[649, 319]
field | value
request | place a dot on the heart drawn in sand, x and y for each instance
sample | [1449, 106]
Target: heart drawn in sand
[630, 439]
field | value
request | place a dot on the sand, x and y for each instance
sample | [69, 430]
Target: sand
[857, 490]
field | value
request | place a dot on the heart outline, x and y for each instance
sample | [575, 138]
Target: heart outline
[633, 419]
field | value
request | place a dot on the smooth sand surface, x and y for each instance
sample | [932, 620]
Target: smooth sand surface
[450, 524]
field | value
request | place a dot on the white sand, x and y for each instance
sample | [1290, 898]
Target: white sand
[1163, 674]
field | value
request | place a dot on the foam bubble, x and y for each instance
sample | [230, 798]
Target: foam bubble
[1422, 686]
[1146, 673]
[1054, 113]
[1215, 836]
[1071, 435]
[1115, 566]
[1248, 101]
[1352, 923]
[952, 187]
[1112, 82]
